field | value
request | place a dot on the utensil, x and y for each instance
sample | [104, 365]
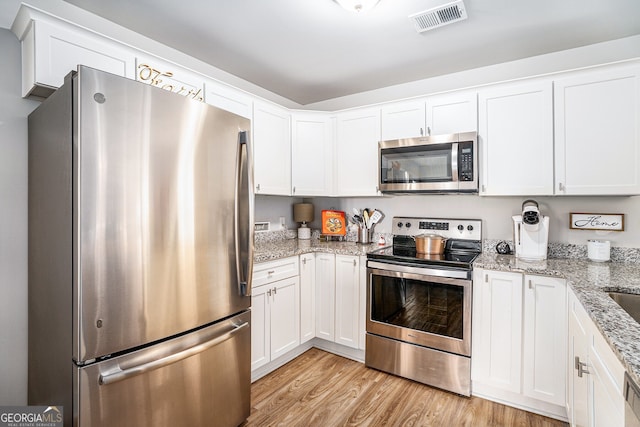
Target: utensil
[365, 216]
[430, 244]
[375, 217]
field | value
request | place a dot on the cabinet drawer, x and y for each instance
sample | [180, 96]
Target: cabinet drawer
[270, 271]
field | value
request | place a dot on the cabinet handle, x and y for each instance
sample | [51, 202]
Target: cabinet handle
[560, 187]
[270, 272]
[530, 284]
[275, 291]
[268, 292]
[304, 261]
[428, 130]
[486, 278]
[421, 132]
[294, 189]
[484, 189]
[258, 187]
[581, 367]
[354, 263]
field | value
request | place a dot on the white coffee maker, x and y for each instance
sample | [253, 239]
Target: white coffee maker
[530, 233]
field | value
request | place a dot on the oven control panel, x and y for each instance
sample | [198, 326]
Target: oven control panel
[470, 229]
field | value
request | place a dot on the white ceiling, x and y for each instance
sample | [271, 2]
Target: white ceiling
[312, 50]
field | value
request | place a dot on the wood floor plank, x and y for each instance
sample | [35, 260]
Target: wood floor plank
[325, 390]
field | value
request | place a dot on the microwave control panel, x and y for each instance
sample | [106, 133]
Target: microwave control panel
[465, 161]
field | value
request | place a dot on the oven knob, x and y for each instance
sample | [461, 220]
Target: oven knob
[460, 227]
[470, 227]
[399, 225]
[408, 225]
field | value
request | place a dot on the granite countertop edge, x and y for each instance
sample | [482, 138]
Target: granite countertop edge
[590, 282]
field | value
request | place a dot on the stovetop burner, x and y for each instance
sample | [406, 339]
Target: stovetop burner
[410, 256]
[462, 247]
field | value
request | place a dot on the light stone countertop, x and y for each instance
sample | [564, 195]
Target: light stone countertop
[272, 250]
[590, 282]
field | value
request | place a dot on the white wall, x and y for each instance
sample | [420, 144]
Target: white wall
[13, 225]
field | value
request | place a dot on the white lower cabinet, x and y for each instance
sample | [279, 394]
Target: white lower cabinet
[325, 296]
[519, 340]
[347, 300]
[594, 374]
[307, 297]
[275, 315]
[338, 299]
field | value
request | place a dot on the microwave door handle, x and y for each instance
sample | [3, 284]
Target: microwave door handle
[454, 162]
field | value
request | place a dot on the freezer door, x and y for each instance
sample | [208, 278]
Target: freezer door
[199, 379]
[156, 214]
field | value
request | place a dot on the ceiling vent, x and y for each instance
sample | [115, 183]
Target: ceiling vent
[439, 16]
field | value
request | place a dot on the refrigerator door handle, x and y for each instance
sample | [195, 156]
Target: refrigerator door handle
[243, 220]
[120, 374]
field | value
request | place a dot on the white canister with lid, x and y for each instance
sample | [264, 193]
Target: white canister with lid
[599, 250]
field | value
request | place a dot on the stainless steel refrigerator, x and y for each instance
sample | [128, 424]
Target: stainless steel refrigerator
[140, 256]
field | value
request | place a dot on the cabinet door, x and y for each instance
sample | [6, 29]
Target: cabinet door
[325, 296]
[452, 113]
[51, 51]
[363, 302]
[597, 132]
[260, 327]
[285, 316]
[357, 137]
[347, 300]
[271, 149]
[228, 98]
[516, 139]
[311, 155]
[577, 383]
[497, 326]
[403, 120]
[545, 339]
[307, 297]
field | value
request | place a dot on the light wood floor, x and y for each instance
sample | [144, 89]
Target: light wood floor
[322, 389]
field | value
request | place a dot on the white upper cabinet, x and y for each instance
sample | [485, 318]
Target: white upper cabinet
[357, 137]
[311, 154]
[271, 149]
[452, 113]
[51, 51]
[228, 98]
[516, 139]
[597, 131]
[404, 120]
[435, 115]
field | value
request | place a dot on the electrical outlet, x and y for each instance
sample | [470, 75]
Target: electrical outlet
[283, 222]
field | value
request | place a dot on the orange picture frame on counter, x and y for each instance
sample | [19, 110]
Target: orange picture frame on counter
[334, 223]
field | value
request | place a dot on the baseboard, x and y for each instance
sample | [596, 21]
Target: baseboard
[518, 401]
[331, 347]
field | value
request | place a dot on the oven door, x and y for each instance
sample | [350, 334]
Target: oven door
[412, 304]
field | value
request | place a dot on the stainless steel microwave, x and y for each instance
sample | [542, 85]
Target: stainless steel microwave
[437, 164]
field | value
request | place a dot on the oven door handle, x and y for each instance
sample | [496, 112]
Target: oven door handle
[422, 271]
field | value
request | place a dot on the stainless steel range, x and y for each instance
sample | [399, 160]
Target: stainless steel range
[419, 305]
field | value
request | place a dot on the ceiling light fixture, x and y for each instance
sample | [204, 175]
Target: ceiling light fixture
[357, 5]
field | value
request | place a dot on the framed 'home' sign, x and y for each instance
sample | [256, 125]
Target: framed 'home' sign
[596, 221]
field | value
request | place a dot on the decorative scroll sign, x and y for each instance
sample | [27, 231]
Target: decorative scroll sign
[165, 80]
[596, 221]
